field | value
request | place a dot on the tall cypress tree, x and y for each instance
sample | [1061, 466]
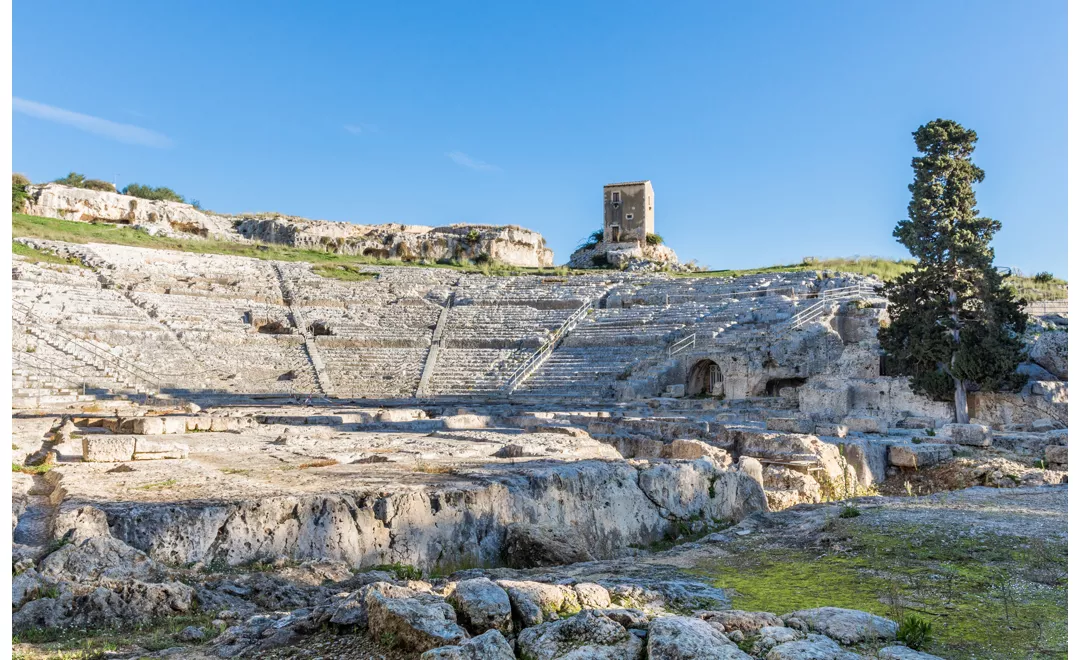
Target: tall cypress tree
[954, 326]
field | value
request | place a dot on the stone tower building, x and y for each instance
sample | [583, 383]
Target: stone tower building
[628, 212]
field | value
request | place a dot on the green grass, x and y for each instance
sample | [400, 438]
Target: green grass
[886, 269]
[999, 597]
[30, 469]
[56, 643]
[346, 272]
[159, 485]
[340, 266]
[40, 256]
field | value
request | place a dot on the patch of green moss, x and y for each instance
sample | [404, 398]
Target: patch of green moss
[987, 596]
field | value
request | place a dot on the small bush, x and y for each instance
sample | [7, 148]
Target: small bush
[1044, 277]
[401, 571]
[19, 195]
[73, 179]
[593, 240]
[160, 193]
[850, 511]
[654, 239]
[98, 184]
[931, 432]
[472, 237]
[482, 259]
[915, 631]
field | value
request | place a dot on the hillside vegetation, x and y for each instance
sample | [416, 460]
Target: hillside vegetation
[344, 266]
[1042, 286]
[338, 266]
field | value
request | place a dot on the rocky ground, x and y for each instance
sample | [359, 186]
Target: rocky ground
[374, 534]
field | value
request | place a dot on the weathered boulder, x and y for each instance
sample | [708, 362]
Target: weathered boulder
[532, 603]
[1051, 352]
[352, 610]
[751, 467]
[814, 647]
[108, 448]
[531, 546]
[592, 596]
[846, 626]
[689, 449]
[27, 586]
[585, 635]
[692, 489]
[898, 652]
[911, 455]
[770, 636]
[741, 620]
[489, 646]
[418, 623]
[685, 638]
[481, 605]
[99, 558]
[75, 524]
[1057, 457]
[121, 603]
[974, 435]
[780, 478]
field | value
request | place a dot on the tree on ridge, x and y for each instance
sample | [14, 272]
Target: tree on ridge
[954, 326]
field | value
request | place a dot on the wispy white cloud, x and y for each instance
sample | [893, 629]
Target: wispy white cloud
[126, 133]
[473, 164]
[359, 129]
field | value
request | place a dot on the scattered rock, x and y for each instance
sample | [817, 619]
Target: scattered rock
[684, 638]
[584, 635]
[191, 635]
[482, 605]
[847, 626]
[489, 646]
[531, 546]
[974, 435]
[418, 623]
[898, 652]
[747, 622]
[814, 647]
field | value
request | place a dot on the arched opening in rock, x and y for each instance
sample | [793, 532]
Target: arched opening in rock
[776, 386]
[705, 378]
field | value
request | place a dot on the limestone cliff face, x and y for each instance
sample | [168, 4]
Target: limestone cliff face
[507, 244]
[53, 200]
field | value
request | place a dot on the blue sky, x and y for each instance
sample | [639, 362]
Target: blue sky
[771, 131]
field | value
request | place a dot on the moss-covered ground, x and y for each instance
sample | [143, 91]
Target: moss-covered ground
[987, 596]
[64, 644]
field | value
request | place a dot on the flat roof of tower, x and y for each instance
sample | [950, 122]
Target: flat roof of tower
[625, 183]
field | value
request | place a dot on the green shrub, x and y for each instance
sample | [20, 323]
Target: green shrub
[931, 432]
[401, 571]
[850, 511]
[1044, 277]
[98, 184]
[19, 195]
[146, 192]
[654, 239]
[73, 179]
[915, 631]
[593, 240]
[482, 259]
[472, 237]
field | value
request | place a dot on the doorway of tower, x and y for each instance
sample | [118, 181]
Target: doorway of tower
[705, 378]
